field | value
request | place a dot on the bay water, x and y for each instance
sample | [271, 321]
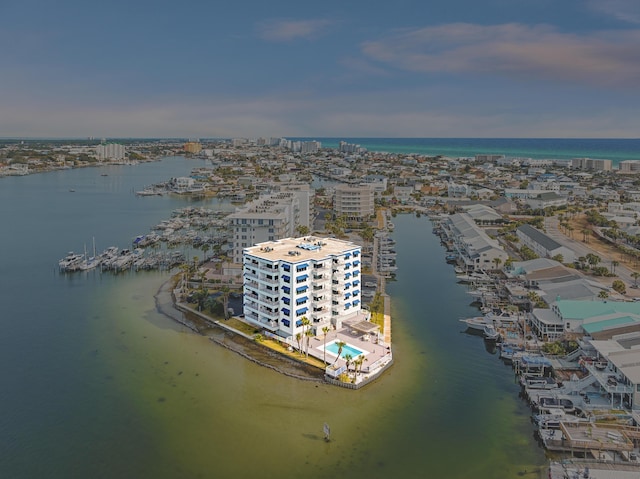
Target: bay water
[98, 384]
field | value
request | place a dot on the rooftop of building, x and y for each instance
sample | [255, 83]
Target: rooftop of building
[301, 249]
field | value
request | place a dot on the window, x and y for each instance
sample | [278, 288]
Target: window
[286, 322]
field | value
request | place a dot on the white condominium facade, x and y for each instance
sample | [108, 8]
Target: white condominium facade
[355, 202]
[110, 151]
[295, 278]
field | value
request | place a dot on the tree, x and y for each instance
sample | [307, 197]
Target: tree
[298, 339]
[304, 321]
[309, 334]
[619, 286]
[347, 359]
[614, 263]
[497, 262]
[340, 344]
[205, 248]
[635, 275]
[302, 230]
[325, 331]
[358, 365]
[593, 259]
[603, 294]
[559, 258]
[225, 300]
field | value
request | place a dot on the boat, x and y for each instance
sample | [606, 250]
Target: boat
[491, 333]
[476, 323]
[538, 382]
[71, 262]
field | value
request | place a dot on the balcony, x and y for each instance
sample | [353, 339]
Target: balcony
[272, 281]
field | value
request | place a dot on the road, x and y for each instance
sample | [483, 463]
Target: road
[622, 270]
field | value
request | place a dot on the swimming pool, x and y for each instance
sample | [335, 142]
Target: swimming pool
[347, 349]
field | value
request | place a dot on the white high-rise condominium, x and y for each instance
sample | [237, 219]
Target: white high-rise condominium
[295, 278]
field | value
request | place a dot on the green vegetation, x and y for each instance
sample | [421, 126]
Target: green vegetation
[560, 348]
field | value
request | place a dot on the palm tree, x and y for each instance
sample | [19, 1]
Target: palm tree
[298, 339]
[614, 263]
[497, 262]
[593, 259]
[603, 294]
[225, 300]
[348, 359]
[304, 321]
[205, 247]
[309, 334]
[325, 331]
[340, 344]
[358, 365]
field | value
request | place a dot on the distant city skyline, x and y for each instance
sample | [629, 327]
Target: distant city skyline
[446, 68]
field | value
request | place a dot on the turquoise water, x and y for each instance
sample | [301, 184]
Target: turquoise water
[346, 349]
[554, 148]
[97, 384]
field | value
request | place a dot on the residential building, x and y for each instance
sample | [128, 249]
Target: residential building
[354, 202]
[192, 147]
[268, 218]
[629, 166]
[591, 164]
[110, 151]
[476, 250]
[295, 278]
[543, 245]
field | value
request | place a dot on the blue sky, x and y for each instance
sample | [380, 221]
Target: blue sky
[425, 68]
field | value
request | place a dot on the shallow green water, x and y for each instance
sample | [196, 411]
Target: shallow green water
[101, 385]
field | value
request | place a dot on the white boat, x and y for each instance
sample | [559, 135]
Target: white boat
[503, 318]
[477, 323]
[490, 332]
[71, 262]
[481, 292]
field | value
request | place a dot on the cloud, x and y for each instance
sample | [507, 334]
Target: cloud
[421, 112]
[610, 59]
[624, 10]
[287, 30]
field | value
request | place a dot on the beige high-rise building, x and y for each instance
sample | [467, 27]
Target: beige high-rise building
[192, 147]
[354, 202]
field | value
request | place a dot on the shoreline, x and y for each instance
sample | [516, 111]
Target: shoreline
[233, 340]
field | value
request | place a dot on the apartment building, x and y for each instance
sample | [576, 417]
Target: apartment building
[110, 151]
[591, 164]
[295, 278]
[268, 218]
[354, 202]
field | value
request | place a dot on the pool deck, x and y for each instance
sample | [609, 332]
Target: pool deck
[375, 353]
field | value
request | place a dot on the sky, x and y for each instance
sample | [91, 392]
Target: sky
[408, 68]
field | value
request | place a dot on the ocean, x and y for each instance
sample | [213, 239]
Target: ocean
[615, 150]
[98, 384]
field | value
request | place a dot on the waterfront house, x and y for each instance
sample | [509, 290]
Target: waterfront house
[595, 318]
[475, 249]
